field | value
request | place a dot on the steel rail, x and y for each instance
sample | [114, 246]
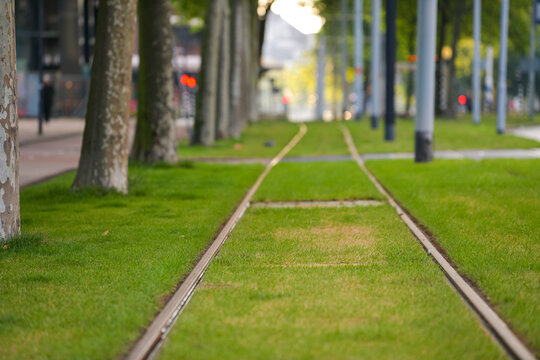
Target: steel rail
[511, 343]
[148, 345]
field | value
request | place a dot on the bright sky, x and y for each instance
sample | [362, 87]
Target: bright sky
[300, 14]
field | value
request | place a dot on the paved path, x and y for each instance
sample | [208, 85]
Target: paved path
[529, 132]
[57, 150]
[50, 154]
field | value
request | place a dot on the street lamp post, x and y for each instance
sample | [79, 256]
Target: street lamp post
[425, 80]
[321, 74]
[501, 86]
[390, 116]
[375, 61]
[476, 63]
[358, 57]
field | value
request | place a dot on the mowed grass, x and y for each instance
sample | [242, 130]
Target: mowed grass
[92, 269]
[326, 284]
[486, 215]
[342, 180]
[321, 139]
[449, 134]
[251, 143]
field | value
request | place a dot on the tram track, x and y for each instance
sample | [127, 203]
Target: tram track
[494, 324]
[149, 343]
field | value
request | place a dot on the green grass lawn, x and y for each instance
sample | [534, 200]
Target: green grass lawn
[342, 180]
[449, 134]
[326, 284]
[92, 269]
[321, 139]
[486, 215]
[251, 143]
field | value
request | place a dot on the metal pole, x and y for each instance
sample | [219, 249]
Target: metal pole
[425, 80]
[476, 63]
[390, 116]
[321, 74]
[358, 57]
[375, 61]
[501, 86]
[488, 80]
[344, 54]
[532, 59]
[40, 66]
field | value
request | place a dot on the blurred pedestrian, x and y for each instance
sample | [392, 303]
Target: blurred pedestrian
[47, 96]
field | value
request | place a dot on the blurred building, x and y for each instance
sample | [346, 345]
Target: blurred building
[68, 40]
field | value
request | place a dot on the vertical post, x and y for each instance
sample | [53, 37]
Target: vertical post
[375, 61]
[344, 55]
[321, 75]
[476, 63]
[501, 85]
[86, 34]
[358, 57]
[532, 58]
[40, 66]
[425, 80]
[390, 116]
[488, 81]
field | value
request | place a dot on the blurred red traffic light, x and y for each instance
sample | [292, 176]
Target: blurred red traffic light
[191, 82]
[184, 79]
[462, 99]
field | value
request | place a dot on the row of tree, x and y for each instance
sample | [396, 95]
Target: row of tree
[226, 100]
[231, 66]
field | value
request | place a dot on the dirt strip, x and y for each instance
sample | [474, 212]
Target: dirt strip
[148, 345]
[510, 341]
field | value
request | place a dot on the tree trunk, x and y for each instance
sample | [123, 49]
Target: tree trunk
[10, 220]
[155, 134]
[224, 74]
[452, 96]
[439, 74]
[246, 62]
[238, 116]
[253, 109]
[104, 153]
[409, 90]
[206, 101]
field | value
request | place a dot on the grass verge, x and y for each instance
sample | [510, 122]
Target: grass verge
[92, 268]
[342, 180]
[486, 216]
[251, 143]
[329, 284]
[449, 134]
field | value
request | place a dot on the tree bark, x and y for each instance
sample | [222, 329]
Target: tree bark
[206, 101]
[456, 29]
[10, 221]
[224, 74]
[238, 116]
[439, 69]
[253, 18]
[155, 134]
[104, 153]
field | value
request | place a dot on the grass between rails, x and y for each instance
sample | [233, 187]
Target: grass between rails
[269, 295]
[251, 143]
[342, 180]
[486, 216]
[321, 139]
[73, 292]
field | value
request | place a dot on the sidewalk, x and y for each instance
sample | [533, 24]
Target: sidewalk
[50, 154]
[58, 149]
